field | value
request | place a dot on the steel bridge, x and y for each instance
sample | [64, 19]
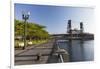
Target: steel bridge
[84, 36]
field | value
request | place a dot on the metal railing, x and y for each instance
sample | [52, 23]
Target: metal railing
[60, 53]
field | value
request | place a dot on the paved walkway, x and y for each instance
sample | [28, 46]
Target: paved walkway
[29, 55]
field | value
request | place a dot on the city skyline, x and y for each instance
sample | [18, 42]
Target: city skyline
[55, 18]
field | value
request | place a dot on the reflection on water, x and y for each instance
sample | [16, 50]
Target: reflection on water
[79, 51]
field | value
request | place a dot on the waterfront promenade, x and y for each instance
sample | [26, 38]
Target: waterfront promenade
[29, 55]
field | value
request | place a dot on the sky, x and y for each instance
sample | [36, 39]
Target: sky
[55, 18]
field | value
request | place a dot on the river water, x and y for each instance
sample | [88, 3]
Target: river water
[78, 51]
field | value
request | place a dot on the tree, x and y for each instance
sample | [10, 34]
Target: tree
[34, 31]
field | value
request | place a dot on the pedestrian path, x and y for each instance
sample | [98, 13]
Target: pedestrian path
[28, 56]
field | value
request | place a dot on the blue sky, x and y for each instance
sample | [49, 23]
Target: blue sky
[55, 18]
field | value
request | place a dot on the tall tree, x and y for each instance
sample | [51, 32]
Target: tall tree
[34, 30]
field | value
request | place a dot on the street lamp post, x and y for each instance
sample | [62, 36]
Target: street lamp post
[25, 17]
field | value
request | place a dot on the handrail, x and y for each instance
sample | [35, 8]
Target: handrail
[61, 57]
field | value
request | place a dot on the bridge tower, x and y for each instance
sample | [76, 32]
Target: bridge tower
[81, 27]
[69, 26]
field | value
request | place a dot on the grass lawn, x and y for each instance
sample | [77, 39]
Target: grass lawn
[19, 43]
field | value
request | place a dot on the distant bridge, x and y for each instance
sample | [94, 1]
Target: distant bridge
[84, 36]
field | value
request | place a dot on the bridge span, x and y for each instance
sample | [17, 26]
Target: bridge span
[83, 36]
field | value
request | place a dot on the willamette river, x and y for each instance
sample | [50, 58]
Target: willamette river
[79, 51]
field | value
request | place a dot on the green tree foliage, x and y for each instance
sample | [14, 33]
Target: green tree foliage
[34, 31]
